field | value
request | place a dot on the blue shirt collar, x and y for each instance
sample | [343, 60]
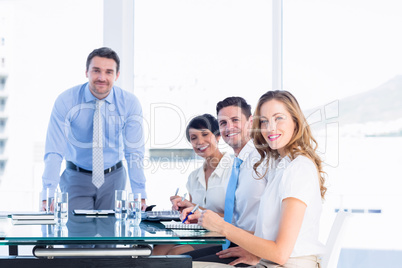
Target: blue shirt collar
[91, 98]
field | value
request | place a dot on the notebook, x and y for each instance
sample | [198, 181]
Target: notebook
[92, 212]
[33, 216]
[32, 222]
[166, 215]
[180, 225]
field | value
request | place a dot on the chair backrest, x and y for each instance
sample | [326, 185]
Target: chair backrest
[334, 241]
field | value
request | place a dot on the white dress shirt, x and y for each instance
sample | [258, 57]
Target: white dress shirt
[249, 189]
[70, 133]
[213, 197]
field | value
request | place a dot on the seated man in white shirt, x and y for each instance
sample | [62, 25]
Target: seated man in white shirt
[235, 121]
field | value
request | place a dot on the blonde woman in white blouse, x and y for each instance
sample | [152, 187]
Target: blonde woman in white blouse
[287, 224]
[206, 185]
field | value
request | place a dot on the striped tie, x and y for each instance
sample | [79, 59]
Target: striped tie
[230, 195]
[98, 176]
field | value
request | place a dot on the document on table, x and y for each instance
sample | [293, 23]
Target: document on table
[180, 225]
[161, 215]
[33, 216]
[32, 222]
[96, 212]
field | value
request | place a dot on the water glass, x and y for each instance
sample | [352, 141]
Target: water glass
[120, 208]
[134, 208]
[133, 231]
[45, 196]
[120, 228]
[60, 207]
[48, 230]
[60, 231]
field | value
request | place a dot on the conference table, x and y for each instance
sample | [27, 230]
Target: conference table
[96, 242]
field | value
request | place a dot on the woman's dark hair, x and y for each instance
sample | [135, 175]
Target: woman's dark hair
[104, 52]
[205, 121]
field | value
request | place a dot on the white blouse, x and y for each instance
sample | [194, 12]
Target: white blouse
[212, 198]
[297, 179]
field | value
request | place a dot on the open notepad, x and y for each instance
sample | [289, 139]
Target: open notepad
[94, 212]
[180, 225]
[32, 218]
[166, 215]
[32, 222]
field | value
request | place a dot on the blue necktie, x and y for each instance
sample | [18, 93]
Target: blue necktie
[230, 195]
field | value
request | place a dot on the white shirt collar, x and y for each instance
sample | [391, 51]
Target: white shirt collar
[246, 151]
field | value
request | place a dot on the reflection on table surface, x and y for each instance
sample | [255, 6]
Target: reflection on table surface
[85, 229]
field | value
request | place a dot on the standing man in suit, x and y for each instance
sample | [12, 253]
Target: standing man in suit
[93, 126]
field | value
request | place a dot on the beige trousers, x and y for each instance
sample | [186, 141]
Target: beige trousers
[295, 262]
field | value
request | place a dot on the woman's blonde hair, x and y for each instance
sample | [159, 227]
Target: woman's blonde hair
[302, 141]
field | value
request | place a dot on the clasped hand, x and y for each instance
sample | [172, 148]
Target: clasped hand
[179, 205]
[243, 256]
[45, 208]
[213, 222]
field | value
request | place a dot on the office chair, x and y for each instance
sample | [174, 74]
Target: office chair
[334, 242]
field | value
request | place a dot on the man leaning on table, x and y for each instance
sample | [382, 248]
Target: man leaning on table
[92, 126]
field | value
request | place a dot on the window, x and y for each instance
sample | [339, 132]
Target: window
[342, 60]
[189, 55]
[2, 166]
[2, 83]
[171, 154]
[2, 145]
[2, 124]
[2, 104]
[30, 109]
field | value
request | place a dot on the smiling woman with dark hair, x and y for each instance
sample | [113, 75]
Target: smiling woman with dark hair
[206, 185]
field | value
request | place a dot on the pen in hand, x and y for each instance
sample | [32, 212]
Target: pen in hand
[192, 211]
[184, 197]
[179, 208]
[177, 191]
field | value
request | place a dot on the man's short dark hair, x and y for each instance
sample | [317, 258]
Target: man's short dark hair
[104, 52]
[205, 121]
[235, 101]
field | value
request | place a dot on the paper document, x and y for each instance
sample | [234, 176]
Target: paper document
[96, 212]
[180, 225]
[33, 222]
[161, 215]
[33, 216]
